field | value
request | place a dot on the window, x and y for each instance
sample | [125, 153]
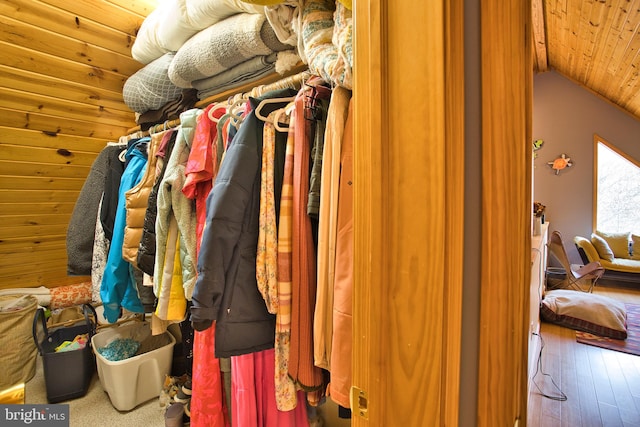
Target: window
[617, 193]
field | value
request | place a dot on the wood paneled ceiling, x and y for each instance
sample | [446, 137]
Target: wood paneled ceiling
[594, 43]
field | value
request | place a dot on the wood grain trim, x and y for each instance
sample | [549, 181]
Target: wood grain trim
[39, 103]
[402, 219]
[506, 212]
[43, 243]
[40, 208]
[54, 276]
[40, 63]
[108, 13]
[31, 231]
[30, 219]
[33, 138]
[9, 261]
[13, 168]
[539, 38]
[454, 206]
[58, 156]
[368, 222]
[58, 125]
[414, 208]
[139, 7]
[27, 81]
[39, 183]
[68, 24]
[44, 41]
[39, 196]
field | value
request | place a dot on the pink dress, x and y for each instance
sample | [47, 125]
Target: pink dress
[253, 394]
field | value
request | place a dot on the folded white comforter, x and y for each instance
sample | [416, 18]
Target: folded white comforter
[173, 22]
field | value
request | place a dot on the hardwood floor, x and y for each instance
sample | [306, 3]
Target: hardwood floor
[602, 387]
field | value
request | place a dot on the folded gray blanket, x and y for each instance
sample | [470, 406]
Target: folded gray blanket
[222, 46]
[206, 93]
[241, 72]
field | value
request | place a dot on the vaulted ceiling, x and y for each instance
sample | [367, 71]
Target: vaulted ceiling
[594, 43]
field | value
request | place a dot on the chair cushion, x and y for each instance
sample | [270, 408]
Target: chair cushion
[592, 313]
[602, 247]
[618, 242]
[624, 265]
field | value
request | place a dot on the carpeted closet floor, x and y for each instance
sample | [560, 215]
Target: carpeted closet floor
[95, 408]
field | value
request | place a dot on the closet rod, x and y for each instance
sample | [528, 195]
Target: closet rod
[297, 75]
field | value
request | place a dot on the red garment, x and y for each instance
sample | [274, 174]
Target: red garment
[253, 390]
[199, 171]
[207, 407]
[303, 286]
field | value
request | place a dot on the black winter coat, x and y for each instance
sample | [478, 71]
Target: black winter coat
[226, 289]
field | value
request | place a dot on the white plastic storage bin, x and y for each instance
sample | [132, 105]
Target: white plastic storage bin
[137, 379]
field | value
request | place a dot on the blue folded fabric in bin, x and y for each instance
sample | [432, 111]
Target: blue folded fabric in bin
[119, 349]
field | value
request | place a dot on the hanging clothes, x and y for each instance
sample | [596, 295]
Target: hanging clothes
[226, 288]
[201, 167]
[301, 367]
[207, 405]
[118, 287]
[137, 199]
[174, 205]
[98, 258]
[82, 225]
[115, 169]
[285, 386]
[172, 304]
[172, 202]
[327, 226]
[146, 256]
[252, 386]
[267, 250]
[342, 343]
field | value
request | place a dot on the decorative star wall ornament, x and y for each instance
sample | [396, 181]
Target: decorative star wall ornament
[560, 163]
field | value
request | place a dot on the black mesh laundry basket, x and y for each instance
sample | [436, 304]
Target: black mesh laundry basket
[67, 374]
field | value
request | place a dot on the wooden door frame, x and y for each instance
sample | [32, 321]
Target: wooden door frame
[507, 87]
[383, 362]
[409, 372]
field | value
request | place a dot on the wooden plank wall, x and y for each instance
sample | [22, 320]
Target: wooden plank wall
[62, 67]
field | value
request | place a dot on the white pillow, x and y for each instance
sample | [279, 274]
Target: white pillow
[596, 314]
[173, 22]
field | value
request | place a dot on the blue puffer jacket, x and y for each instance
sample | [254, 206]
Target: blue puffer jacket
[118, 288]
